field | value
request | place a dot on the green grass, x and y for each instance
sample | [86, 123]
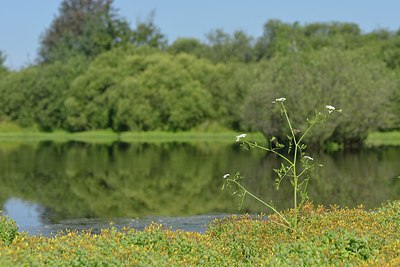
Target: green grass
[60, 136]
[227, 136]
[108, 136]
[384, 139]
[327, 237]
[13, 133]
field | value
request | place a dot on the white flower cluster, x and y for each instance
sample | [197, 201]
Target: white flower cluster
[226, 175]
[330, 108]
[281, 99]
[240, 137]
[308, 157]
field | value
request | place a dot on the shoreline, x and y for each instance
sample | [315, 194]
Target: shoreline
[374, 139]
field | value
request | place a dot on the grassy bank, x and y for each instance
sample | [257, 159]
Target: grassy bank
[106, 136]
[334, 237]
[384, 139]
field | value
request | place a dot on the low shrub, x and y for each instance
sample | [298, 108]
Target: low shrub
[8, 229]
[326, 237]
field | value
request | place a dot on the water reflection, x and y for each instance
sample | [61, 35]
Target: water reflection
[29, 218]
[26, 214]
[77, 180]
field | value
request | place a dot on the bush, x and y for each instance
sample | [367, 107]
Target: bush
[36, 95]
[343, 79]
[8, 229]
[143, 89]
[334, 237]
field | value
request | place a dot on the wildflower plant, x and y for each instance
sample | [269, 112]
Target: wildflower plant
[296, 165]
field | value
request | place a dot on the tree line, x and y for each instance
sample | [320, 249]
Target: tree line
[95, 71]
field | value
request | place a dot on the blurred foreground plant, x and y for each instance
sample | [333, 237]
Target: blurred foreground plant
[296, 165]
[8, 230]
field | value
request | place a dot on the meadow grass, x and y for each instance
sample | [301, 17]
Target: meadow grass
[108, 136]
[327, 237]
[383, 139]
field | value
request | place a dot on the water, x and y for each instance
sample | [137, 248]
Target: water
[47, 187]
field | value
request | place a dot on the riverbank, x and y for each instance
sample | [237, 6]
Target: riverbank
[108, 136]
[326, 237]
[383, 139]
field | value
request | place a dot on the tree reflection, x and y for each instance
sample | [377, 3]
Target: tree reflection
[77, 180]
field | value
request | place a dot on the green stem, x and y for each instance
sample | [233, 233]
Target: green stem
[303, 171]
[304, 134]
[295, 176]
[270, 150]
[263, 202]
[295, 181]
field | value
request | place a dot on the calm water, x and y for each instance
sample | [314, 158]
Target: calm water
[47, 187]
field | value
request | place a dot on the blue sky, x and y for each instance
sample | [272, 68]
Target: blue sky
[23, 21]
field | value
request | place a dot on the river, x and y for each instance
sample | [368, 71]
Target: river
[47, 187]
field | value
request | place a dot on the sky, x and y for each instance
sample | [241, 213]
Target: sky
[22, 22]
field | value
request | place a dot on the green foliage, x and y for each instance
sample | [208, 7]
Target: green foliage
[337, 237]
[281, 38]
[327, 249]
[88, 28]
[3, 68]
[390, 52]
[362, 88]
[227, 48]
[147, 33]
[84, 28]
[189, 46]
[296, 166]
[8, 230]
[224, 80]
[141, 89]
[35, 96]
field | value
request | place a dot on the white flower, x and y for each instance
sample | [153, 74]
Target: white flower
[226, 175]
[281, 99]
[308, 157]
[330, 108]
[240, 136]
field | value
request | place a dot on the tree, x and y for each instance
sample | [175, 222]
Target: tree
[35, 95]
[147, 33]
[224, 47]
[278, 37]
[308, 80]
[143, 89]
[284, 38]
[189, 46]
[3, 68]
[83, 27]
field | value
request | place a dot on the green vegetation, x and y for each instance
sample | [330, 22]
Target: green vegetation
[14, 133]
[99, 80]
[383, 139]
[95, 72]
[314, 79]
[331, 237]
[8, 230]
[296, 165]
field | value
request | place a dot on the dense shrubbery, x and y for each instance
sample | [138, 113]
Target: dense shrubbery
[328, 237]
[346, 80]
[35, 95]
[142, 89]
[8, 230]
